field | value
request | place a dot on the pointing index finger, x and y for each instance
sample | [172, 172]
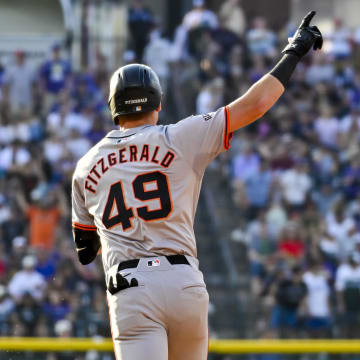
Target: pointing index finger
[307, 19]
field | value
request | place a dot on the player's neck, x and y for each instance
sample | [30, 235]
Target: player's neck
[129, 122]
[133, 124]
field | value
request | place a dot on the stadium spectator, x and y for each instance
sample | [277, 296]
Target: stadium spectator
[321, 70]
[27, 281]
[157, 55]
[340, 40]
[7, 306]
[13, 157]
[246, 163]
[260, 39]
[291, 244]
[55, 76]
[327, 127]
[19, 79]
[200, 16]
[210, 96]
[342, 228]
[290, 292]
[258, 188]
[28, 311]
[317, 300]
[43, 215]
[232, 16]
[56, 306]
[140, 20]
[347, 286]
[296, 184]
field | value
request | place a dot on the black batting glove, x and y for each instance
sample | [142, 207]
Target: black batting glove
[305, 38]
[121, 283]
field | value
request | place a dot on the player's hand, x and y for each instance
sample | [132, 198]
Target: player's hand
[120, 283]
[305, 38]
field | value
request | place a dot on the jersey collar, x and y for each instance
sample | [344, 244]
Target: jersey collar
[126, 133]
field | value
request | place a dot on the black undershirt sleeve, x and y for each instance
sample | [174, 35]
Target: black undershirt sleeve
[87, 244]
[285, 67]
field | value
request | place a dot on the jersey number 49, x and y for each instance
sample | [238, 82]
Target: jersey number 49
[116, 211]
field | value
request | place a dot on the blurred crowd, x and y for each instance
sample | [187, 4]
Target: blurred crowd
[294, 174]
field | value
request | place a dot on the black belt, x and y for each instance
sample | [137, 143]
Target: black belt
[173, 260]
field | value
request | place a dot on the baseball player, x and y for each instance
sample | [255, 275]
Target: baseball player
[135, 194]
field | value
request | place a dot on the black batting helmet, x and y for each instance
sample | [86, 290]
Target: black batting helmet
[134, 89]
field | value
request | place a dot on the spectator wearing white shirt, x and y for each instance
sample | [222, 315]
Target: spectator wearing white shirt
[317, 300]
[342, 228]
[340, 40]
[296, 184]
[200, 16]
[62, 122]
[157, 55]
[13, 156]
[347, 285]
[233, 16]
[210, 97]
[19, 79]
[27, 281]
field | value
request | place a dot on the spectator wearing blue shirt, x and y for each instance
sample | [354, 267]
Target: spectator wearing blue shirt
[258, 188]
[54, 74]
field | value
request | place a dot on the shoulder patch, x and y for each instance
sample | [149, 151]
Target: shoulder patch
[206, 117]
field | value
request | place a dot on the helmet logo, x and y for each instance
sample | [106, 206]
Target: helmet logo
[136, 101]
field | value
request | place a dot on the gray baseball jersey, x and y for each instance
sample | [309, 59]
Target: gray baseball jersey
[140, 187]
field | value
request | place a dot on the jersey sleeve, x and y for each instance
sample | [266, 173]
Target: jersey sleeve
[201, 138]
[81, 218]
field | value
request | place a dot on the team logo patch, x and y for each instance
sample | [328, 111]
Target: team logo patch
[206, 117]
[155, 262]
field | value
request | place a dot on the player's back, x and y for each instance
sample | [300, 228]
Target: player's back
[141, 187]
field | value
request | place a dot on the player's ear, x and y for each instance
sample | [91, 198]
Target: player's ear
[159, 108]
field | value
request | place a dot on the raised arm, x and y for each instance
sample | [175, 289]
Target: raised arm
[265, 92]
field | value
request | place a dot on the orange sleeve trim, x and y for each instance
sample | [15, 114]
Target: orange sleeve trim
[227, 135]
[84, 227]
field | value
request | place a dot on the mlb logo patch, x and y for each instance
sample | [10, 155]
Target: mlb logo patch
[138, 108]
[155, 262]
